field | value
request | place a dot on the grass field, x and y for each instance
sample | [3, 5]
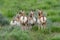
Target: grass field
[9, 8]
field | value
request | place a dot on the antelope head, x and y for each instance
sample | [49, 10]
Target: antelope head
[31, 14]
[40, 13]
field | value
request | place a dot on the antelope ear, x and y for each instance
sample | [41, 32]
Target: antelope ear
[23, 12]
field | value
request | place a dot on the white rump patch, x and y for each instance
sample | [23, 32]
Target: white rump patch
[38, 21]
[33, 20]
[43, 20]
[14, 23]
[23, 19]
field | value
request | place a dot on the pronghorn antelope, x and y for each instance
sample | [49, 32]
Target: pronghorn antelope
[31, 19]
[41, 20]
[15, 21]
[23, 20]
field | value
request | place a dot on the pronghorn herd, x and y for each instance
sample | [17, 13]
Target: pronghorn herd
[29, 21]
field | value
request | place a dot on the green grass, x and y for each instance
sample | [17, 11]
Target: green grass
[55, 18]
[10, 8]
[56, 37]
[13, 33]
[55, 29]
[53, 12]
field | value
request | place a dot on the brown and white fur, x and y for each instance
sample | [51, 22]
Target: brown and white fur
[31, 19]
[16, 19]
[15, 22]
[41, 20]
[23, 21]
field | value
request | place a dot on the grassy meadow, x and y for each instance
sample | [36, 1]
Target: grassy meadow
[9, 8]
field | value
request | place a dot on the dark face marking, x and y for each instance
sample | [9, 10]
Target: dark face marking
[39, 14]
[13, 21]
[31, 15]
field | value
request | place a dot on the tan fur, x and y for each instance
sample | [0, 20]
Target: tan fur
[41, 19]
